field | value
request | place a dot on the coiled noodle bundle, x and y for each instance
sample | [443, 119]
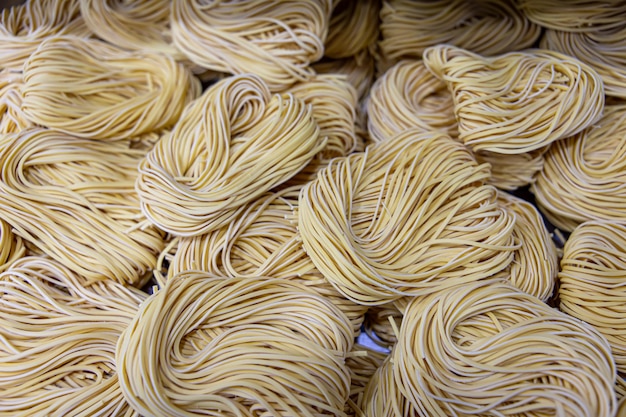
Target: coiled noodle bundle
[276, 40]
[593, 283]
[520, 101]
[141, 26]
[230, 146]
[353, 27]
[207, 346]
[487, 27]
[575, 15]
[58, 341]
[485, 348]
[584, 177]
[535, 264]
[409, 216]
[262, 240]
[75, 200]
[90, 89]
[408, 96]
[25, 26]
[602, 50]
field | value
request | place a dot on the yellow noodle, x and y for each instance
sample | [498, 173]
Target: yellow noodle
[382, 397]
[141, 25]
[485, 348]
[408, 217]
[360, 70]
[223, 347]
[408, 96]
[363, 362]
[91, 89]
[58, 341]
[353, 27]
[511, 171]
[602, 50]
[11, 247]
[229, 147]
[575, 15]
[535, 264]
[378, 324]
[520, 101]
[262, 240]
[593, 283]
[23, 27]
[75, 200]
[488, 27]
[12, 119]
[584, 177]
[277, 41]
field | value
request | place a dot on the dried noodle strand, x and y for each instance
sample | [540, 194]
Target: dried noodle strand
[353, 28]
[575, 15]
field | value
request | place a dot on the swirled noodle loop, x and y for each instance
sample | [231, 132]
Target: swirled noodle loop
[520, 101]
[575, 15]
[353, 28]
[208, 346]
[487, 27]
[277, 41]
[25, 26]
[363, 362]
[11, 247]
[12, 119]
[75, 200]
[262, 240]
[485, 348]
[382, 396]
[593, 283]
[141, 26]
[58, 341]
[512, 171]
[584, 177]
[602, 50]
[408, 96]
[407, 217]
[535, 264]
[230, 146]
[90, 89]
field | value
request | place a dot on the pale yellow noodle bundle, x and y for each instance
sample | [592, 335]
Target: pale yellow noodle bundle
[382, 396]
[25, 26]
[520, 101]
[378, 325]
[409, 216]
[535, 264]
[333, 101]
[230, 146]
[362, 362]
[593, 283]
[511, 171]
[262, 240]
[487, 27]
[58, 342]
[409, 96]
[140, 25]
[575, 15]
[485, 348]
[75, 200]
[12, 119]
[359, 69]
[353, 27]
[94, 90]
[584, 177]
[208, 346]
[11, 246]
[602, 50]
[277, 40]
